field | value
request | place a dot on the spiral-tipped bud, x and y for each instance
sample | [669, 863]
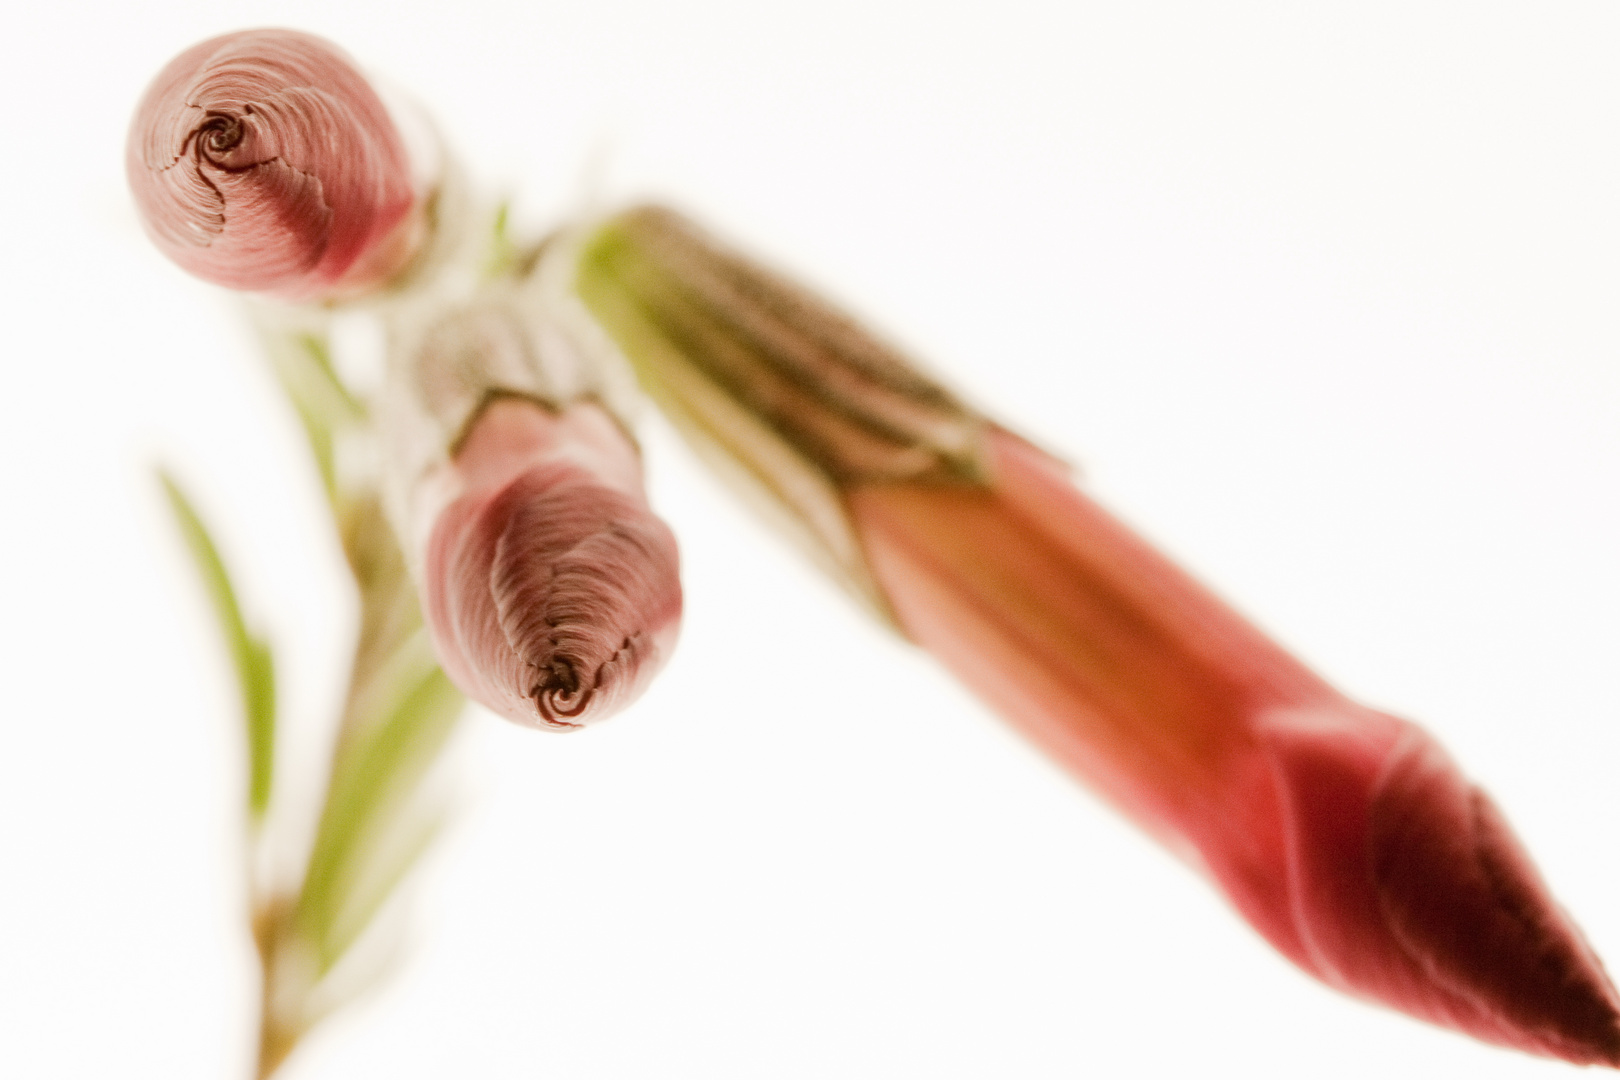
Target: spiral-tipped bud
[263, 161]
[552, 591]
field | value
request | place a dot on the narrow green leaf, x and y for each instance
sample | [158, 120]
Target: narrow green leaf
[503, 255]
[260, 696]
[321, 444]
[325, 405]
[255, 670]
[342, 400]
[373, 781]
[393, 858]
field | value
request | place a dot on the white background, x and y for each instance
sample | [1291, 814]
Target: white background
[1321, 296]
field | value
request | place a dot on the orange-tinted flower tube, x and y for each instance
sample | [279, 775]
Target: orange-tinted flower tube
[263, 161]
[1345, 836]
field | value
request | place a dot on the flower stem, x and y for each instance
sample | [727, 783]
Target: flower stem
[396, 714]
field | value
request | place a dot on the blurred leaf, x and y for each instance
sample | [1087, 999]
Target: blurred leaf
[388, 606]
[503, 250]
[255, 672]
[392, 859]
[325, 406]
[340, 401]
[358, 856]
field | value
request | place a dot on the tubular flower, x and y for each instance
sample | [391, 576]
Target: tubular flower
[263, 161]
[551, 590]
[1345, 836]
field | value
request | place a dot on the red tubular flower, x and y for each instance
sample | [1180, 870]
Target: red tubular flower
[1345, 836]
[263, 161]
[551, 590]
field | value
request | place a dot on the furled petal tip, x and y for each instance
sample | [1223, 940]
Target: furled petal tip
[263, 161]
[551, 589]
[1408, 886]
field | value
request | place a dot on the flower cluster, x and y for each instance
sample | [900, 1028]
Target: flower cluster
[264, 162]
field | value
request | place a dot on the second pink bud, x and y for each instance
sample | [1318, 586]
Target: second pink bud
[551, 589]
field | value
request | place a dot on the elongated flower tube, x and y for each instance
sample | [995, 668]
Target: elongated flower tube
[1345, 836]
[263, 161]
[551, 589]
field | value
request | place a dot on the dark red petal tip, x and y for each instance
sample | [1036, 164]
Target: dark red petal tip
[1406, 885]
[1459, 892]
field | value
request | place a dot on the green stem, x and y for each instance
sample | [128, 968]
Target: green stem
[397, 711]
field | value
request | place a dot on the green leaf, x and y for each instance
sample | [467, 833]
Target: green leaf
[503, 250]
[255, 671]
[340, 401]
[358, 854]
[392, 858]
[303, 364]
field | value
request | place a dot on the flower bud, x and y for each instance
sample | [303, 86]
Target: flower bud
[551, 589]
[263, 161]
[1347, 837]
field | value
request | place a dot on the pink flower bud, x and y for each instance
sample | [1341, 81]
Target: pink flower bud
[551, 590]
[263, 161]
